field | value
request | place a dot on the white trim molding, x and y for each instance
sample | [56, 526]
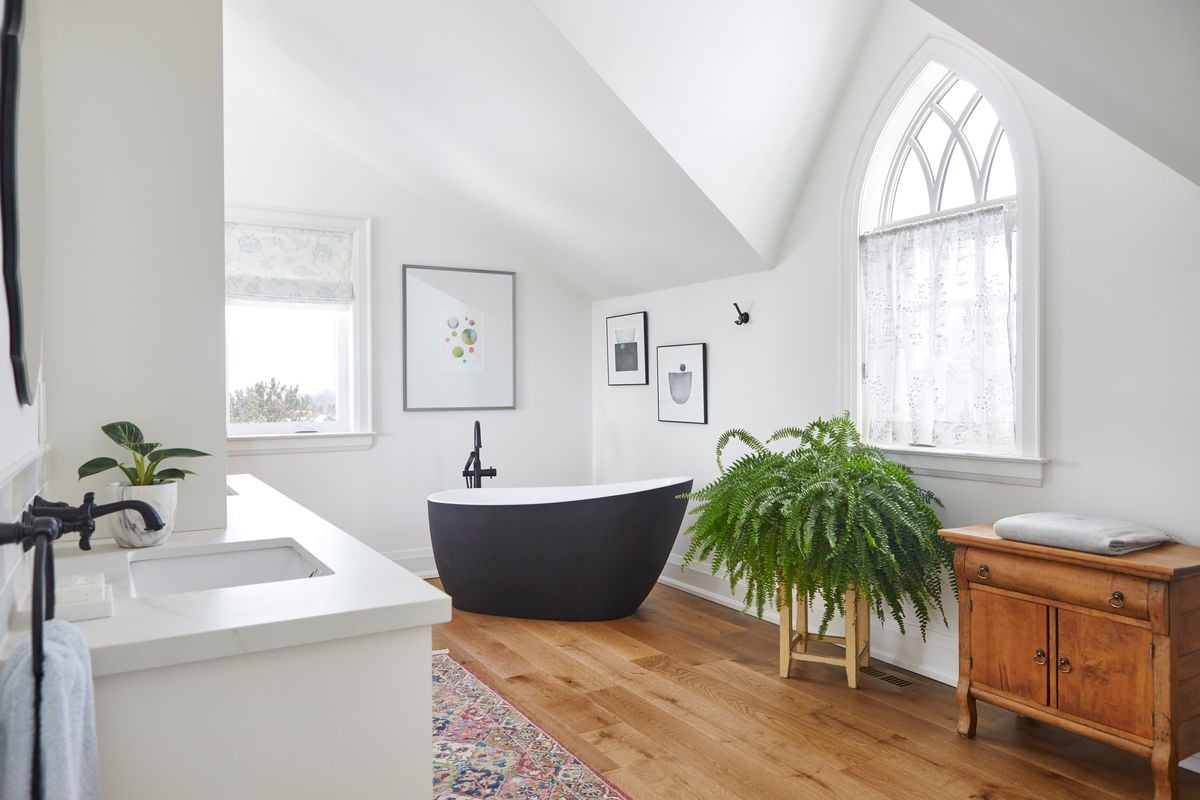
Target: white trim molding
[1027, 465]
[270, 444]
[936, 657]
[355, 405]
[1016, 470]
[20, 480]
[417, 560]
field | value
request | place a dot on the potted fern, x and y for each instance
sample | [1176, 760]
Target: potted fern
[145, 479]
[829, 516]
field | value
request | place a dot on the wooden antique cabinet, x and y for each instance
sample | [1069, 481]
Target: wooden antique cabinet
[1107, 647]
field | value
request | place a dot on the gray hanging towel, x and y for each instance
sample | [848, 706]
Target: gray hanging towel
[69, 763]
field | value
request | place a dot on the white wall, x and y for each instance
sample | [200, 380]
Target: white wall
[1121, 336]
[21, 467]
[1128, 65]
[134, 241]
[378, 495]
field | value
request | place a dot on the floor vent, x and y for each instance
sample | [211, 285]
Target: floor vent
[886, 677]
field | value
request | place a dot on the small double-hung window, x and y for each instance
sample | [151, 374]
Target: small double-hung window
[296, 309]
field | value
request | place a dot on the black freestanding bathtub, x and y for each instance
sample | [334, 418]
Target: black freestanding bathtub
[579, 553]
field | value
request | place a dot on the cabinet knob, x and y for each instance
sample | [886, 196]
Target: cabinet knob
[1064, 665]
[1116, 600]
[1040, 657]
[984, 574]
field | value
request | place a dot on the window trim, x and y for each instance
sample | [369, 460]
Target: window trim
[1026, 466]
[265, 444]
[358, 382]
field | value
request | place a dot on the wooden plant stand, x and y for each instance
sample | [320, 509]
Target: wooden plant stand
[794, 637]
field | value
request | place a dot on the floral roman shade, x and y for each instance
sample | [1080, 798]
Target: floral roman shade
[285, 264]
[939, 351]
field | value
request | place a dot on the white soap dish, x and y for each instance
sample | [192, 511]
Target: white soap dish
[92, 609]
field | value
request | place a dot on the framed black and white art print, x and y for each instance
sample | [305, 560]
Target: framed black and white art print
[626, 337]
[683, 383]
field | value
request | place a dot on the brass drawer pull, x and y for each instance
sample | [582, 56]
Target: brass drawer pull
[1064, 665]
[1116, 600]
[983, 572]
[1039, 657]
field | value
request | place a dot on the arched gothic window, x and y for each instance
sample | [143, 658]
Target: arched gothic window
[939, 339]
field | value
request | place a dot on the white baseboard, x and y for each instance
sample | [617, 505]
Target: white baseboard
[417, 560]
[935, 658]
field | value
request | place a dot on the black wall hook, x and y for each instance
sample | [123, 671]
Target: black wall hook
[742, 316]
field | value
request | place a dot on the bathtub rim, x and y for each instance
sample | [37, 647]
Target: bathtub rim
[546, 495]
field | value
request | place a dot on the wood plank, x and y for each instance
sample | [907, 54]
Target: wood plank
[1158, 563]
[1010, 646]
[1185, 594]
[1186, 632]
[1105, 673]
[1112, 593]
[685, 712]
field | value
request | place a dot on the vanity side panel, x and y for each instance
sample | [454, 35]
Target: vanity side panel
[345, 718]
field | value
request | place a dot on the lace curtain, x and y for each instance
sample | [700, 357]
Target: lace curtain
[294, 265]
[939, 349]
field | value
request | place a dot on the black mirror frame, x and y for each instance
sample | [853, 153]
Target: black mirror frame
[10, 63]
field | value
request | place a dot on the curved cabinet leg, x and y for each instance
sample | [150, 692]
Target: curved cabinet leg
[1164, 764]
[967, 715]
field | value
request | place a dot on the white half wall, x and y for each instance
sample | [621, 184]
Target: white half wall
[134, 209]
[378, 495]
[1120, 334]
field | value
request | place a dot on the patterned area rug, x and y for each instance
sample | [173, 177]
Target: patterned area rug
[484, 747]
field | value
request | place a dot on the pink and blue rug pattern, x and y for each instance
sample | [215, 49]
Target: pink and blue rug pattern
[484, 747]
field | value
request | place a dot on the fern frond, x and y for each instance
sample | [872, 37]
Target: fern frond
[830, 514]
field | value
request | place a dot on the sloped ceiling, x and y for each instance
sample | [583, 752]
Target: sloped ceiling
[1134, 67]
[737, 92]
[562, 130]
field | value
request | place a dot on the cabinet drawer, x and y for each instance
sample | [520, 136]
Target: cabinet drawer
[1092, 588]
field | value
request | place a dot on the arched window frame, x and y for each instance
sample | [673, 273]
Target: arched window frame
[1025, 466]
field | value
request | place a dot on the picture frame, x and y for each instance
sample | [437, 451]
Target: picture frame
[682, 371]
[459, 338]
[626, 344]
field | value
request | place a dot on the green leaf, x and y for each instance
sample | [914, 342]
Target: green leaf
[130, 474]
[164, 475]
[828, 515]
[143, 448]
[97, 465]
[123, 433]
[175, 452]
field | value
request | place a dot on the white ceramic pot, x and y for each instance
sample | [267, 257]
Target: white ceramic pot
[127, 527]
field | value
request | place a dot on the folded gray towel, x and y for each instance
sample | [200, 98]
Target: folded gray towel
[1108, 537]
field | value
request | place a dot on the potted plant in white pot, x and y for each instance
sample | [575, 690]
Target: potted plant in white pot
[146, 479]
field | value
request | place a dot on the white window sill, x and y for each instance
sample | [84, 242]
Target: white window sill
[1017, 470]
[279, 443]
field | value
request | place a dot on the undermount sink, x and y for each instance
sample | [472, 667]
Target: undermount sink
[194, 569]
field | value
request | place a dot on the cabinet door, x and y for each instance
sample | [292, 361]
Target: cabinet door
[1107, 676]
[1010, 645]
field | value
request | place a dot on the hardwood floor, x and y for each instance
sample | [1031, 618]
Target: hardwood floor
[681, 702]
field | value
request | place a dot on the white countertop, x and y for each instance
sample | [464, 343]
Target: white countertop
[367, 593]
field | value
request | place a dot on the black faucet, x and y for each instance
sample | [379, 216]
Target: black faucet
[82, 520]
[474, 471]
